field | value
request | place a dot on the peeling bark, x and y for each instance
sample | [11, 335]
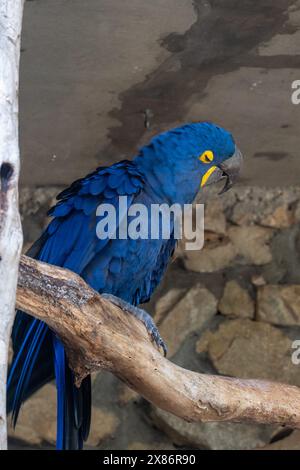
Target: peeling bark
[98, 335]
[10, 227]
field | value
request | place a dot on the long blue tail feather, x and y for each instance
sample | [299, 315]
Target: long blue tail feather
[38, 345]
[32, 368]
[73, 404]
[31, 356]
[59, 367]
[19, 354]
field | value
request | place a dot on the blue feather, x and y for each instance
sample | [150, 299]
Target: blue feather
[16, 359]
[29, 362]
[59, 367]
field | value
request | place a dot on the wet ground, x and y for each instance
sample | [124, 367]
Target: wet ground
[91, 70]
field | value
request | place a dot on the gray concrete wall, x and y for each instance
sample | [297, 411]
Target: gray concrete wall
[90, 68]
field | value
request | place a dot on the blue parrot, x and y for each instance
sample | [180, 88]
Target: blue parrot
[170, 169]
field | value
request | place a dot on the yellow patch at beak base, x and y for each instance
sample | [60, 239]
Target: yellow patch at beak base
[207, 175]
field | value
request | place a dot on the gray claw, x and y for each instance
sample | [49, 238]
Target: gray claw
[159, 341]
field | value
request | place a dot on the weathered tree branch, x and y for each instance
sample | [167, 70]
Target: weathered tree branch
[10, 226]
[98, 335]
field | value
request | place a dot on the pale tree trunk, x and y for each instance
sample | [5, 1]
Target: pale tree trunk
[10, 227]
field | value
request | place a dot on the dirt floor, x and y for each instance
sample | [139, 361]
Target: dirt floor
[91, 69]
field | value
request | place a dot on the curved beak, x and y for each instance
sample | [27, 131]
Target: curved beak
[231, 169]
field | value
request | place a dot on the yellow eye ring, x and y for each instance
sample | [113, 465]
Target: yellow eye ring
[207, 156]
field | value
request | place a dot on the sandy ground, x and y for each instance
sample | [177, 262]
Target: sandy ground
[89, 70]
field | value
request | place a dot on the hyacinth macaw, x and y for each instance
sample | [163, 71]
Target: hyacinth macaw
[171, 169]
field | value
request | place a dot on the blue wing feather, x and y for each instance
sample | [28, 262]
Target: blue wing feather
[70, 240]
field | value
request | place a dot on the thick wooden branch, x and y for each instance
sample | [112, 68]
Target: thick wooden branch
[98, 335]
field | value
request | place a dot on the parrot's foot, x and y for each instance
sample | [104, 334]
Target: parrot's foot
[143, 316]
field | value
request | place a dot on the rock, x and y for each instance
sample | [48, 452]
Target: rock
[297, 212]
[252, 243]
[34, 204]
[33, 199]
[37, 420]
[218, 253]
[279, 304]
[166, 302]
[203, 343]
[126, 394]
[242, 214]
[250, 349]
[104, 425]
[281, 217]
[258, 280]
[214, 436]
[236, 301]
[210, 192]
[291, 442]
[276, 207]
[190, 314]
[214, 219]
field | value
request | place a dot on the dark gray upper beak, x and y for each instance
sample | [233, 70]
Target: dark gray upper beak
[231, 169]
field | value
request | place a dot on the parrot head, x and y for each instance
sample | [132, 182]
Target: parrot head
[181, 161]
